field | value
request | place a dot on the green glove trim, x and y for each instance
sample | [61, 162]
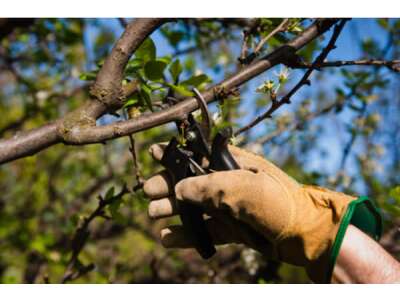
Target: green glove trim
[363, 214]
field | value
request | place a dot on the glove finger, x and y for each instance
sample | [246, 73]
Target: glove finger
[157, 150]
[176, 237]
[249, 161]
[210, 191]
[223, 230]
[244, 195]
[158, 186]
[162, 208]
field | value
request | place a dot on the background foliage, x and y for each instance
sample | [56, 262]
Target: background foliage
[65, 215]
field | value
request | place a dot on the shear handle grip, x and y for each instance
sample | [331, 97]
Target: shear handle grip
[221, 159]
[177, 164]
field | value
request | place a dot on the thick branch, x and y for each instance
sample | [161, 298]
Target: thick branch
[107, 90]
[29, 142]
[95, 134]
[108, 86]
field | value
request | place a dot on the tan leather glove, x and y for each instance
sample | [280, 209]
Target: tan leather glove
[259, 206]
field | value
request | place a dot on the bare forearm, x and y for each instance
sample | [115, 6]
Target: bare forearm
[362, 260]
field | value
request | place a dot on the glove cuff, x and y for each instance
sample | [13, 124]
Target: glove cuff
[363, 214]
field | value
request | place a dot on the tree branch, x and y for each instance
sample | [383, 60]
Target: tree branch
[296, 125]
[276, 104]
[81, 236]
[107, 90]
[85, 131]
[281, 27]
[393, 65]
[103, 133]
[253, 28]
[138, 177]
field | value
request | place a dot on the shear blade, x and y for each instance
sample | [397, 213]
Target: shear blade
[205, 115]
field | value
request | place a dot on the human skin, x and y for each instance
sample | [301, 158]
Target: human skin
[362, 260]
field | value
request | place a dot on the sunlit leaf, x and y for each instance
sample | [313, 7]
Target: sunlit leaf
[146, 51]
[110, 193]
[131, 101]
[145, 93]
[196, 80]
[181, 89]
[154, 69]
[88, 76]
[175, 70]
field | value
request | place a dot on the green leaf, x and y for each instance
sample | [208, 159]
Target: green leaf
[196, 80]
[154, 69]
[88, 76]
[180, 89]
[395, 194]
[340, 92]
[145, 94]
[133, 65]
[167, 59]
[131, 101]
[114, 206]
[384, 23]
[175, 70]
[175, 37]
[110, 193]
[146, 51]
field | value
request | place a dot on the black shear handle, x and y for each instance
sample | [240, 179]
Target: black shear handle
[221, 159]
[178, 165]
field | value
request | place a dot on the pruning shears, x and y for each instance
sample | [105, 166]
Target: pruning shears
[183, 160]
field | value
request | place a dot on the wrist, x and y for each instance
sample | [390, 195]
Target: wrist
[362, 260]
[362, 214]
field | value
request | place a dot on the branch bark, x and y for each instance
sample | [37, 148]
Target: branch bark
[107, 93]
[393, 65]
[79, 128]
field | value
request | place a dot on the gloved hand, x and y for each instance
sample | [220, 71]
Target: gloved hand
[259, 206]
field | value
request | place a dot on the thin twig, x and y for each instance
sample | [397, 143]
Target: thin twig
[139, 178]
[253, 28]
[280, 28]
[81, 236]
[70, 276]
[393, 65]
[296, 125]
[276, 104]
[245, 46]
[350, 143]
